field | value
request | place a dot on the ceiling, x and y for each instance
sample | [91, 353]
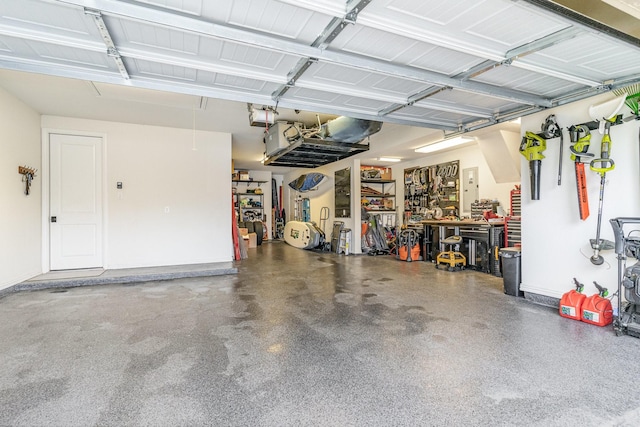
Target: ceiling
[439, 66]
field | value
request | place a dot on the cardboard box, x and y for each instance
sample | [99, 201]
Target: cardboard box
[384, 173]
[244, 175]
[244, 231]
[253, 240]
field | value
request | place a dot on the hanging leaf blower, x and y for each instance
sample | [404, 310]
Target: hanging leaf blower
[531, 148]
[607, 115]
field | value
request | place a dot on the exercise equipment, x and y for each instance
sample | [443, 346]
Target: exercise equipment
[627, 319]
[452, 258]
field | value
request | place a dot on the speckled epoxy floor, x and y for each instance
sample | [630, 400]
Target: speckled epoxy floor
[307, 338]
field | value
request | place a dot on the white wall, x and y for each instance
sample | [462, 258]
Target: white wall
[176, 204]
[20, 220]
[555, 241]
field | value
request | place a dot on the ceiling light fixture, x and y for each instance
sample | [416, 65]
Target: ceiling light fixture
[389, 159]
[444, 144]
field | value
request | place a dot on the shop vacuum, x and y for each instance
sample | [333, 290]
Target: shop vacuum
[627, 320]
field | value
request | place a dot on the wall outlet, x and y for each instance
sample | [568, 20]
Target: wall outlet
[166, 209]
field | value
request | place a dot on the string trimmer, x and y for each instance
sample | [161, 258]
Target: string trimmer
[606, 114]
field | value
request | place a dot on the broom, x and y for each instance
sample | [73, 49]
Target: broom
[631, 100]
[632, 93]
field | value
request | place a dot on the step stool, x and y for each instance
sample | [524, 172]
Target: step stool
[345, 241]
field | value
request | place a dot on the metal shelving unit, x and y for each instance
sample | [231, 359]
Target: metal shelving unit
[378, 201]
[513, 223]
[249, 205]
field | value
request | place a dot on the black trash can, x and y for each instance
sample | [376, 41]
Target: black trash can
[511, 267]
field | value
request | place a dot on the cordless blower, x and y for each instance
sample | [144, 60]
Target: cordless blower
[531, 148]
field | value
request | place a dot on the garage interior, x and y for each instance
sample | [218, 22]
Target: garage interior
[172, 102]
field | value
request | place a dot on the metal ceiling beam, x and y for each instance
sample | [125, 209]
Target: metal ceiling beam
[112, 50]
[48, 37]
[512, 56]
[331, 31]
[492, 58]
[180, 60]
[580, 19]
[102, 76]
[161, 17]
[133, 52]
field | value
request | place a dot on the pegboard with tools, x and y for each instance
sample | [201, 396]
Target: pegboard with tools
[432, 192]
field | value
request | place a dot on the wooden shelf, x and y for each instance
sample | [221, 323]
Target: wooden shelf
[248, 181]
[377, 181]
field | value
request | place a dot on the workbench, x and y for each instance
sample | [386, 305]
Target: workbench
[481, 241]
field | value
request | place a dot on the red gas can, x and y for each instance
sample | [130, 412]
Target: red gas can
[571, 302]
[597, 309]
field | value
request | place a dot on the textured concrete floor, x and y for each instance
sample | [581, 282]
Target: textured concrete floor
[305, 338]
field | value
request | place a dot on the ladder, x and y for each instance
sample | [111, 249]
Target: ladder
[344, 241]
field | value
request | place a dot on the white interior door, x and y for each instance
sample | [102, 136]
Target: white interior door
[76, 201]
[470, 188]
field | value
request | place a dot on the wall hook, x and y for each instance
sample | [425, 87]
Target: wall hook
[27, 176]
